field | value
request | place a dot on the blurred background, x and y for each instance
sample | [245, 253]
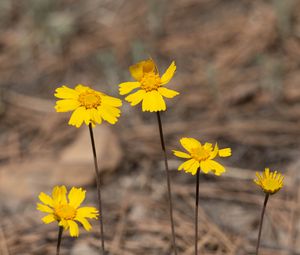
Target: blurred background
[238, 74]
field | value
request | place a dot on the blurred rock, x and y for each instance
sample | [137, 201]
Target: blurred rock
[81, 248]
[137, 212]
[107, 146]
[24, 181]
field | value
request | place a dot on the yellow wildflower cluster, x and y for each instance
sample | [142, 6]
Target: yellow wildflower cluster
[269, 182]
[65, 210]
[89, 106]
[201, 157]
[150, 85]
[92, 107]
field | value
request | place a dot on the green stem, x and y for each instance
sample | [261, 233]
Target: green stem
[98, 188]
[168, 182]
[60, 231]
[196, 211]
[261, 222]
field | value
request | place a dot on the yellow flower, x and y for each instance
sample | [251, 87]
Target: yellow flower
[201, 156]
[65, 210]
[150, 86]
[270, 182]
[89, 106]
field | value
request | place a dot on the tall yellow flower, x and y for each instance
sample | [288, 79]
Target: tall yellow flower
[201, 156]
[270, 182]
[89, 106]
[65, 210]
[150, 86]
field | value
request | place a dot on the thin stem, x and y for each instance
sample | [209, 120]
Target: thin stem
[60, 231]
[168, 182]
[261, 222]
[196, 211]
[98, 188]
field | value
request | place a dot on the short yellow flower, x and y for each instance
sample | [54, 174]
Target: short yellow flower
[201, 156]
[150, 86]
[89, 106]
[270, 182]
[66, 211]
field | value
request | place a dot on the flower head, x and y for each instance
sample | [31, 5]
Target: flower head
[270, 182]
[150, 86]
[89, 106]
[65, 210]
[201, 156]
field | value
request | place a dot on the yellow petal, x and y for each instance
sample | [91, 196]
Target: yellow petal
[64, 223]
[187, 164]
[66, 93]
[211, 165]
[44, 208]
[127, 87]
[168, 93]
[225, 152]
[193, 168]
[95, 116]
[48, 219]
[281, 178]
[47, 200]
[217, 168]
[112, 101]
[76, 196]
[136, 71]
[215, 152]
[208, 146]
[189, 143]
[66, 105]
[136, 97]
[108, 113]
[87, 226]
[181, 154]
[81, 88]
[205, 167]
[257, 182]
[87, 212]
[77, 117]
[74, 230]
[153, 102]
[59, 195]
[87, 116]
[149, 66]
[167, 76]
[111, 110]
[267, 172]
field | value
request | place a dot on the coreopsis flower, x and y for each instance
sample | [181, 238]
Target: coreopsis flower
[150, 86]
[89, 106]
[270, 182]
[65, 210]
[201, 157]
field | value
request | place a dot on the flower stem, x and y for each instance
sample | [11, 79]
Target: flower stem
[98, 188]
[261, 222]
[168, 182]
[196, 211]
[60, 231]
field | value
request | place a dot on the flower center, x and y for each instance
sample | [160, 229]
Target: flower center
[150, 81]
[89, 99]
[66, 212]
[200, 154]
